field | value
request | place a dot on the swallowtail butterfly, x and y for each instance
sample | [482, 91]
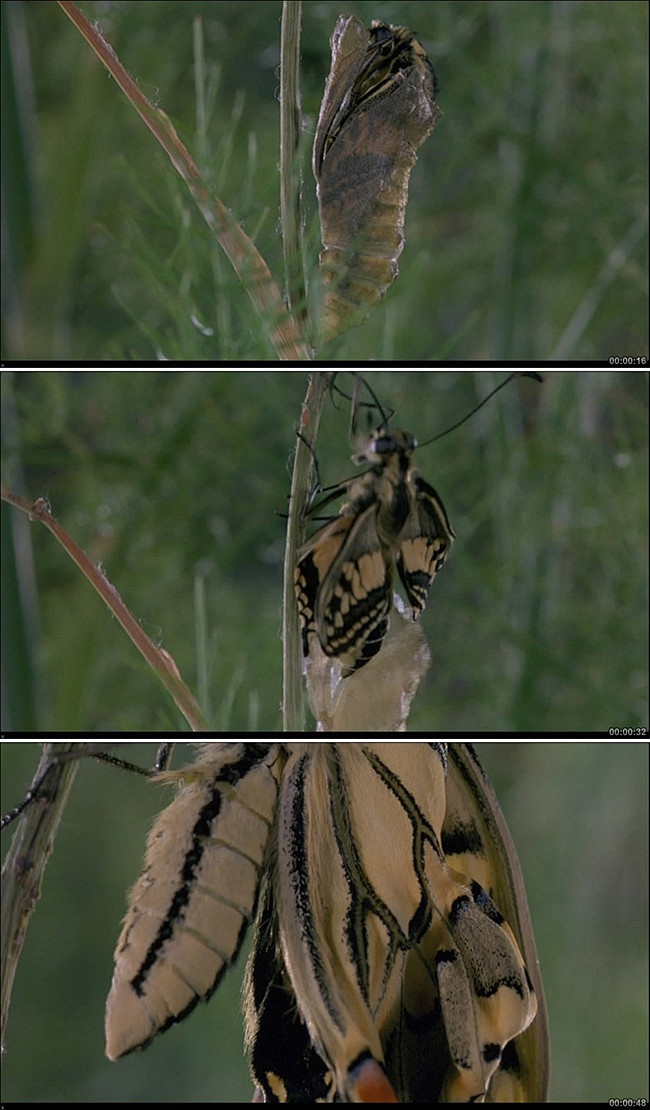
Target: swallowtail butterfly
[393, 956]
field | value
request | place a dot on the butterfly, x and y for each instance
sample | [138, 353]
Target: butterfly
[378, 108]
[345, 571]
[393, 957]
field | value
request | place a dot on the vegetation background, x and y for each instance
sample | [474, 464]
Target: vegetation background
[527, 221]
[538, 622]
[579, 817]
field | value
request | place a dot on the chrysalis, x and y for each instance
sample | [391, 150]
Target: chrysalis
[378, 108]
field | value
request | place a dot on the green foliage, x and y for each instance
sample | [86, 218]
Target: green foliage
[537, 623]
[161, 477]
[525, 226]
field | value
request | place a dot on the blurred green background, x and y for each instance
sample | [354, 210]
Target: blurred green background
[527, 222]
[579, 817]
[538, 622]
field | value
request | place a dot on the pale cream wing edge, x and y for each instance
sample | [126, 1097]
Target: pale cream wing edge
[467, 778]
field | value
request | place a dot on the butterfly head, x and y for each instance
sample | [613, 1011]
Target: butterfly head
[383, 446]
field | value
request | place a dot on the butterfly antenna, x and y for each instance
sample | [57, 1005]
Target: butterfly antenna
[357, 404]
[354, 407]
[452, 428]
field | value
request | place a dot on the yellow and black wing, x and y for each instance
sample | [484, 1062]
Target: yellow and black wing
[425, 542]
[380, 970]
[478, 843]
[344, 587]
[393, 957]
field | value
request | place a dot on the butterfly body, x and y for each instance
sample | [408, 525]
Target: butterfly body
[344, 577]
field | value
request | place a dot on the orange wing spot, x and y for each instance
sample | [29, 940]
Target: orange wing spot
[369, 1083]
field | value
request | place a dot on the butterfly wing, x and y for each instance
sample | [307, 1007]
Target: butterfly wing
[398, 970]
[285, 1066]
[425, 542]
[478, 843]
[344, 587]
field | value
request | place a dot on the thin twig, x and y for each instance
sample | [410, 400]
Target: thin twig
[247, 262]
[157, 658]
[31, 847]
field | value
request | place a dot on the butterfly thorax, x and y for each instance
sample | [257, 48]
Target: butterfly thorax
[390, 482]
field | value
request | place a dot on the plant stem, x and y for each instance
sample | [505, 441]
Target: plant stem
[292, 705]
[22, 873]
[290, 175]
[158, 659]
